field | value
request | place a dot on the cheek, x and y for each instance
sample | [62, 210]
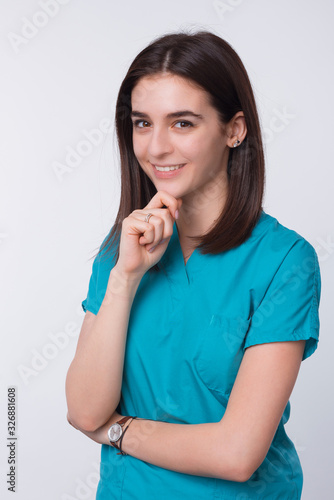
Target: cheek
[140, 141]
[193, 147]
[140, 151]
[214, 149]
[202, 149]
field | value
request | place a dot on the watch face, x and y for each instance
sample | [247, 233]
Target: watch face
[114, 433]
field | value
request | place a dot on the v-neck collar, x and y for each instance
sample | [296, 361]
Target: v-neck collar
[173, 259]
[177, 236]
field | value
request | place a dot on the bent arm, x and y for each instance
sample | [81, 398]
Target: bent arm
[235, 447]
[94, 378]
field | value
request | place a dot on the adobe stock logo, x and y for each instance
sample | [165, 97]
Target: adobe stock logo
[225, 7]
[75, 155]
[85, 489]
[31, 28]
[41, 358]
[279, 121]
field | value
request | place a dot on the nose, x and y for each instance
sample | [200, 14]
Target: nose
[160, 142]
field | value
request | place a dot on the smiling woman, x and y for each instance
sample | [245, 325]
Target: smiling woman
[197, 314]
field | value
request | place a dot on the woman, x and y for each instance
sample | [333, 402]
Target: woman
[200, 306]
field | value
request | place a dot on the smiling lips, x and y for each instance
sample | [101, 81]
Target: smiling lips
[168, 168]
[165, 172]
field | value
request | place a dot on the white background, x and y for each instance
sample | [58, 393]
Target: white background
[61, 79]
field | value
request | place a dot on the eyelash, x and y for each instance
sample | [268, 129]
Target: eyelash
[136, 123]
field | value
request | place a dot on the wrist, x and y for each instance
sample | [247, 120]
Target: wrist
[117, 431]
[122, 284]
[140, 427]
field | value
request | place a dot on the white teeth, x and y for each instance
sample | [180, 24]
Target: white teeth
[167, 169]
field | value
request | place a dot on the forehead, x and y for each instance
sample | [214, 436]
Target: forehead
[168, 90]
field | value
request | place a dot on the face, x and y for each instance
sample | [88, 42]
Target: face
[174, 125]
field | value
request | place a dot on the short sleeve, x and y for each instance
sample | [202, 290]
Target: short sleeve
[102, 265]
[289, 309]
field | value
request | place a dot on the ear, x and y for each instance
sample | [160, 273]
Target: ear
[236, 129]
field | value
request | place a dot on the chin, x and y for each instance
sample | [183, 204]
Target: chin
[173, 192]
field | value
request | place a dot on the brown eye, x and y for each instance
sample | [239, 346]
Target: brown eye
[187, 124]
[137, 122]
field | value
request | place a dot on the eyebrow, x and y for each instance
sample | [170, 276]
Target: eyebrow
[176, 114]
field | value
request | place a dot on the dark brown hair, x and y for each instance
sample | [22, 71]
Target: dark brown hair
[212, 64]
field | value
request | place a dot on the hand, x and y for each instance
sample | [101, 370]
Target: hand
[138, 236]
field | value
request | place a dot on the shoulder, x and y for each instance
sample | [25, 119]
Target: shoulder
[277, 240]
[279, 256]
[286, 286]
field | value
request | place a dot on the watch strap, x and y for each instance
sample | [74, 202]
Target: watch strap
[123, 420]
[121, 439]
[121, 423]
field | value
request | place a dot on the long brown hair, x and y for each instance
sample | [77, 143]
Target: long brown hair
[210, 62]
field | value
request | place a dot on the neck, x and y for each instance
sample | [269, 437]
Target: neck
[199, 212]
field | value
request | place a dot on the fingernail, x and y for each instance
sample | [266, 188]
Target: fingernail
[151, 249]
[176, 214]
[162, 241]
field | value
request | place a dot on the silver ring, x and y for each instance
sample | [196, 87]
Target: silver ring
[147, 218]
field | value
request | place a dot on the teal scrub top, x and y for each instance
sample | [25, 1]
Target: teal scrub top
[188, 329]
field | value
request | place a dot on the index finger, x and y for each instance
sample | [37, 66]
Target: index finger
[162, 198]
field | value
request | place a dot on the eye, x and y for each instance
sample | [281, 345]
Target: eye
[187, 124]
[137, 122]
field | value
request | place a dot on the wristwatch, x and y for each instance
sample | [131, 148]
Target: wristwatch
[116, 432]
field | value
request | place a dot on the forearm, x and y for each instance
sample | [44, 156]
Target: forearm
[197, 449]
[99, 357]
[189, 449]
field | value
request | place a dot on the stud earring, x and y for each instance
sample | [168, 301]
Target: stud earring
[236, 144]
